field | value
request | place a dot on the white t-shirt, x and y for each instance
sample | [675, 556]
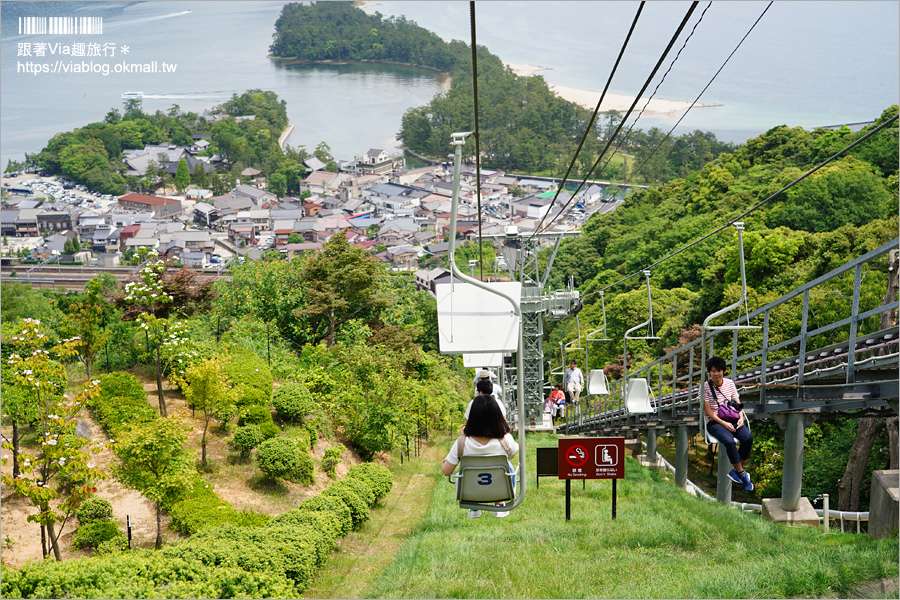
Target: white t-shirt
[499, 403]
[473, 447]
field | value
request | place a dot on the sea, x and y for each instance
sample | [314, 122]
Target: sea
[805, 64]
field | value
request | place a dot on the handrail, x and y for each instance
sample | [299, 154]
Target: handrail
[682, 394]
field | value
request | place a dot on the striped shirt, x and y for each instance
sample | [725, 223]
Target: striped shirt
[726, 391]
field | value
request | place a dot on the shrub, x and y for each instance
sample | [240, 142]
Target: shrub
[121, 384]
[281, 458]
[331, 504]
[332, 459]
[321, 520]
[203, 508]
[141, 574]
[269, 430]
[247, 438]
[293, 401]
[377, 476]
[361, 487]
[359, 510]
[310, 428]
[117, 543]
[93, 534]
[294, 551]
[254, 414]
[251, 378]
[94, 509]
[304, 475]
[119, 413]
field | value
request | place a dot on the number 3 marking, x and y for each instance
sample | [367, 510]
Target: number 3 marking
[484, 479]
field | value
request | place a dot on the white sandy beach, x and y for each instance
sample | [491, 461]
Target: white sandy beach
[619, 102]
[588, 98]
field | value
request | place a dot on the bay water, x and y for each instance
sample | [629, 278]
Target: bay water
[806, 64]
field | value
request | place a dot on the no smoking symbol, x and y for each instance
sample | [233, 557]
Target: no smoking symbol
[576, 456]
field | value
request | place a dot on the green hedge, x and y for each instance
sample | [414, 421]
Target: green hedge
[251, 378]
[333, 505]
[203, 508]
[359, 508]
[322, 520]
[378, 477]
[141, 574]
[278, 560]
[293, 551]
[292, 402]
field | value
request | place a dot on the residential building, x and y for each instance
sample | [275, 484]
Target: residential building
[160, 207]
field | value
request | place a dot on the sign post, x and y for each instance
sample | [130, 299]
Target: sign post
[591, 458]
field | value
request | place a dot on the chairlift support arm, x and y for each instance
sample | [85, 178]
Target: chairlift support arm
[458, 140]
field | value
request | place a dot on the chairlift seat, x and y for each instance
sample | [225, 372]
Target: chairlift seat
[483, 480]
[598, 385]
[637, 399]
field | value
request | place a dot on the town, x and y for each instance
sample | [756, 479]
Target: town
[402, 215]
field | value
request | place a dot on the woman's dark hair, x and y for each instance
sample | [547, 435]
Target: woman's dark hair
[485, 419]
[484, 386]
[717, 363]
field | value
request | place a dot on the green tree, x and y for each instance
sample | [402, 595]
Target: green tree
[64, 458]
[206, 388]
[182, 176]
[342, 283]
[295, 238]
[148, 295]
[84, 321]
[154, 461]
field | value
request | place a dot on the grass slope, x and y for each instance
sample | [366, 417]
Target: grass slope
[663, 544]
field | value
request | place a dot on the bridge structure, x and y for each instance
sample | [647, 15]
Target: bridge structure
[847, 367]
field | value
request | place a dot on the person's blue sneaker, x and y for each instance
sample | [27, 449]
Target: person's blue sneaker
[735, 477]
[745, 479]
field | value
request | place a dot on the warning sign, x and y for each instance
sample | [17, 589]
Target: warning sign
[592, 458]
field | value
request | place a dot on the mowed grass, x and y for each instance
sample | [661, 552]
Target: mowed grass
[664, 543]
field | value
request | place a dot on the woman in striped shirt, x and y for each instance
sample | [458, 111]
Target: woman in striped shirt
[718, 391]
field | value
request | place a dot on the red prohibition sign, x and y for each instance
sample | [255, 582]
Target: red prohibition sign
[576, 456]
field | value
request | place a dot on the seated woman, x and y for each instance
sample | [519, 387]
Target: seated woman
[485, 432]
[718, 392]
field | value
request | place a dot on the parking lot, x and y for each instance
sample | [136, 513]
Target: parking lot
[58, 189]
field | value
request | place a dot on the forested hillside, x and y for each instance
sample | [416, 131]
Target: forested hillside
[524, 126]
[841, 211]
[93, 154]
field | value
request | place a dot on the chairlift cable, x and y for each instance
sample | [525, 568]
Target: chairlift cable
[697, 99]
[477, 139]
[624, 138]
[590, 124]
[753, 208]
[665, 53]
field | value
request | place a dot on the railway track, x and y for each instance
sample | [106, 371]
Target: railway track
[74, 278]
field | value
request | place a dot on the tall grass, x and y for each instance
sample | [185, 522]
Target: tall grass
[664, 543]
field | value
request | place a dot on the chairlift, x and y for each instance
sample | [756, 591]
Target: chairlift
[639, 397]
[598, 384]
[648, 323]
[741, 302]
[483, 480]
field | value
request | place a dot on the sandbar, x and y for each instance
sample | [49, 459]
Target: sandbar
[588, 98]
[619, 102]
